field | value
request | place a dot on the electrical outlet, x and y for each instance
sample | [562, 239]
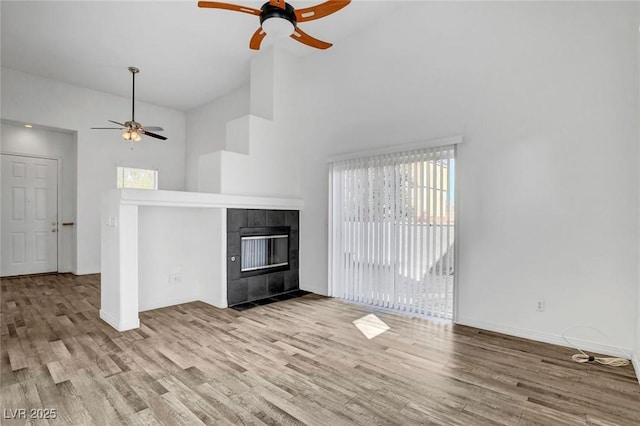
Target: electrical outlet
[175, 277]
[540, 305]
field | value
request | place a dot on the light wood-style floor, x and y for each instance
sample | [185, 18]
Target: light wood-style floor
[295, 362]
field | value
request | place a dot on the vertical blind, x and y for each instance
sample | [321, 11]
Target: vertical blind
[393, 230]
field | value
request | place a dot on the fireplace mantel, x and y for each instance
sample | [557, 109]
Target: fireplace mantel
[121, 241]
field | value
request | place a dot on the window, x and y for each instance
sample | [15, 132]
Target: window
[129, 177]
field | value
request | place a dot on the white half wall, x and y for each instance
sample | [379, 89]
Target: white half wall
[27, 98]
[16, 139]
[161, 248]
[548, 173]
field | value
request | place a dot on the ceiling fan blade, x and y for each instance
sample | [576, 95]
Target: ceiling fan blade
[257, 38]
[107, 128]
[320, 10]
[153, 135]
[229, 6]
[154, 128]
[305, 38]
[277, 3]
[115, 122]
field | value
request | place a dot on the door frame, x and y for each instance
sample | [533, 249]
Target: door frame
[58, 195]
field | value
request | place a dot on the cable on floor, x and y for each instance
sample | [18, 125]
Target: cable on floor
[584, 357]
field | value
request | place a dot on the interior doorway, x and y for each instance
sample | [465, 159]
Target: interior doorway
[29, 225]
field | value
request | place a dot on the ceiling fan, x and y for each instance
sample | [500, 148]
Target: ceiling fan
[132, 130]
[279, 18]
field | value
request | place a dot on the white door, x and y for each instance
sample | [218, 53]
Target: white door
[29, 229]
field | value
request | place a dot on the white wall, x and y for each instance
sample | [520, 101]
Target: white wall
[637, 347]
[207, 126]
[546, 95]
[176, 242]
[16, 139]
[260, 152]
[27, 98]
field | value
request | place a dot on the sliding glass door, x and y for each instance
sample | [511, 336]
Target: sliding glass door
[393, 230]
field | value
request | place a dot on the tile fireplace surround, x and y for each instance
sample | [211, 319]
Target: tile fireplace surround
[242, 289]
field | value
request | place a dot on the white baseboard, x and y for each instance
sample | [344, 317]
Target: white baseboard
[216, 303]
[156, 304]
[636, 365]
[86, 271]
[119, 325]
[548, 338]
[320, 291]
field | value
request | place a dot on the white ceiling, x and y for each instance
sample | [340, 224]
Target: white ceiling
[187, 56]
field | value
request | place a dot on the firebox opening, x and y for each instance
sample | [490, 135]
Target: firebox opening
[264, 250]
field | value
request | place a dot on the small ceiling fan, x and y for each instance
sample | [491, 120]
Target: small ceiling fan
[279, 18]
[132, 130]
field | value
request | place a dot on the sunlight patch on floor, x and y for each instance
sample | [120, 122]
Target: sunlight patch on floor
[371, 326]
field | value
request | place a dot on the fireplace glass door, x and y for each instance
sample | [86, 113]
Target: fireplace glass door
[264, 252]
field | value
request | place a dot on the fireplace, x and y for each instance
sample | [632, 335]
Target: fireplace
[262, 254]
[264, 250]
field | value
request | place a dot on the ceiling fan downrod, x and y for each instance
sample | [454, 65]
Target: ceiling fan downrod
[134, 71]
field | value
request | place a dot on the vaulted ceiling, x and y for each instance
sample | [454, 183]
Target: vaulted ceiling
[187, 56]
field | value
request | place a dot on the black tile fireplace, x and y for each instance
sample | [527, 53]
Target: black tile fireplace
[262, 254]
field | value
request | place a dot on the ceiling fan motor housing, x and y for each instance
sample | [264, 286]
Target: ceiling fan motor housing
[270, 11]
[133, 125]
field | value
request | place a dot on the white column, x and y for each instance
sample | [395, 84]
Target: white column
[213, 249]
[119, 263]
[128, 287]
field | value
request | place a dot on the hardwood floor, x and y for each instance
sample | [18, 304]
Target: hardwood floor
[300, 361]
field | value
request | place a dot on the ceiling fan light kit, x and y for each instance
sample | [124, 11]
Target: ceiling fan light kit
[280, 19]
[278, 28]
[131, 135]
[276, 21]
